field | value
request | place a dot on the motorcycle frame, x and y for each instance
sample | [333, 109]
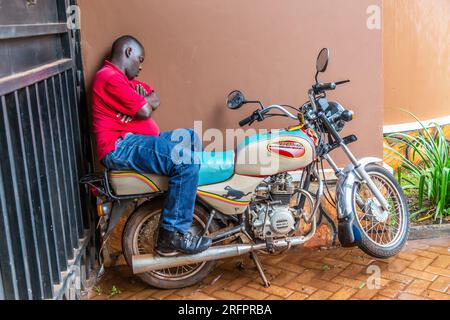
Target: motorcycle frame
[123, 204]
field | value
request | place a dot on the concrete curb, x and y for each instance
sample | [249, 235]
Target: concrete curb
[429, 232]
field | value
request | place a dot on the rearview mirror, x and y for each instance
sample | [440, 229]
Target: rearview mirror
[235, 100]
[322, 60]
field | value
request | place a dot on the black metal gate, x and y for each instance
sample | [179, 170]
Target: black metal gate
[47, 227]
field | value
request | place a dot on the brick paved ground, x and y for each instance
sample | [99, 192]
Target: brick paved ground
[421, 271]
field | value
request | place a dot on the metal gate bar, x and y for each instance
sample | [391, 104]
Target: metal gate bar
[47, 225]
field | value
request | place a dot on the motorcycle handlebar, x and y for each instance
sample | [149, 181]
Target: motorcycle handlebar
[259, 115]
[256, 116]
[342, 82]
[321, 87]
[246, 121]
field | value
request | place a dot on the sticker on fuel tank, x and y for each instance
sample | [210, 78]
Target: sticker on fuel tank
[288, 149]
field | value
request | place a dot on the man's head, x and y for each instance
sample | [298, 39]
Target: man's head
[128, 54]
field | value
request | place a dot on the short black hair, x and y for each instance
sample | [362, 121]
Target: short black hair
[124, 41]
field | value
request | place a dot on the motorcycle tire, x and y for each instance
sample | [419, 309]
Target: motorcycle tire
[371, 241]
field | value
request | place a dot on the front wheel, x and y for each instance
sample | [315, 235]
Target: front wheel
[383, 233]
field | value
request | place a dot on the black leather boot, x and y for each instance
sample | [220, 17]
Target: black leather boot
[171, 243]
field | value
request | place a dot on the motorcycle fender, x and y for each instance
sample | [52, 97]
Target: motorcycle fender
[348, 233]
[117, 212]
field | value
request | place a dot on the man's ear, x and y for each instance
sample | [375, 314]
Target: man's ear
[128, 52]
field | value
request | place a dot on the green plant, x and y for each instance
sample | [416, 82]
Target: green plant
[98, 290]
[114, 291]
[431, 174]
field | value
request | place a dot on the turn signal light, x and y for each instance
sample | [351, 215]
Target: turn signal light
[347, 115]
[99, 210]
[104, 208]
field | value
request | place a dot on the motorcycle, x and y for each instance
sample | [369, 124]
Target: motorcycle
[253, 208]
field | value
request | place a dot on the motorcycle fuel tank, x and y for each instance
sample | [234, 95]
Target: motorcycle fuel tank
[274, 152]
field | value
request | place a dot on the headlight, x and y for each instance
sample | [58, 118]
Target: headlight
[335, 110]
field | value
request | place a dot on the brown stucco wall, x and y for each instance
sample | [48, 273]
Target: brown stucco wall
[416, 59]
[199, 50]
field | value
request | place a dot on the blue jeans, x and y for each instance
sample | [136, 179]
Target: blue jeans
[171, 154]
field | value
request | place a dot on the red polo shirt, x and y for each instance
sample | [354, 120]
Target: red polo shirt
[113, 93]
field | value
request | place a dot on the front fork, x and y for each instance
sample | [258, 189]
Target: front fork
[348, 233]
[362, 174]
[358, 167]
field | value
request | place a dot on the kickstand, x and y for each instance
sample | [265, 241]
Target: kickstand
[260, 269]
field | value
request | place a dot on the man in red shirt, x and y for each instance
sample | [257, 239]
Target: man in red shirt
[129, 139]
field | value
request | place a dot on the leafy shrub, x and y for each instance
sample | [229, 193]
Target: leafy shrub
[427, 169]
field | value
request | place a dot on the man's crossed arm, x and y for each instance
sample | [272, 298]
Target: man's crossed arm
[146, 111]
[153, 103]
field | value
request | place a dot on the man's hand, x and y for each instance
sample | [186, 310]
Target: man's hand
[124, 118]
[152, 99]
[141, 90]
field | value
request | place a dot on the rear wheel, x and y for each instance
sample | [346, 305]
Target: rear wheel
[383, 233]
[140, 235]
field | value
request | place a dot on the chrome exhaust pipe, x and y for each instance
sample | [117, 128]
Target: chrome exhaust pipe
[149, 262]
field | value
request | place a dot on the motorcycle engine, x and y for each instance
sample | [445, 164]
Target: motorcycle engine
[272, 216]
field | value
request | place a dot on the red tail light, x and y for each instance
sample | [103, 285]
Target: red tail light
[94, 191]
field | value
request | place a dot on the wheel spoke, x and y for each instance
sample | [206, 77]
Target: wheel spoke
[383, 233]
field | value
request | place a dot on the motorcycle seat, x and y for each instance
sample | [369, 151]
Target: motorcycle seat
[215, 167]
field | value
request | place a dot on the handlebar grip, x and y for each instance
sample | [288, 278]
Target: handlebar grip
[246, 121]
[321, 87]
[329, 86]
